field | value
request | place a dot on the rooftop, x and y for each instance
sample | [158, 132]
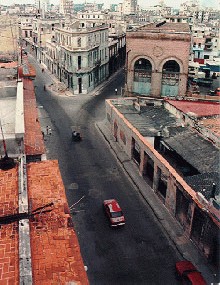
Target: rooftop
[199, 109]
[153, 120]
[166, 27]
[55, 253]
[33, 139]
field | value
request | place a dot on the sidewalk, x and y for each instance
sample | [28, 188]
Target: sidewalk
[60, 88]
[184, 246]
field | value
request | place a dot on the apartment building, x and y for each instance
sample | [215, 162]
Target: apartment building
[117, 26]
[35, 31]
[205, 43]
[78, 56]
[130, 7]
[66, 7]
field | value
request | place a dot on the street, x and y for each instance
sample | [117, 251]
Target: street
[138, 253]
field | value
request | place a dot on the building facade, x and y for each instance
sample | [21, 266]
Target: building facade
[161, 138]
[79, 56]
[157, 60]
[66, 7]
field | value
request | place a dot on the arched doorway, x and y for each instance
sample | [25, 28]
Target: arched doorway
[170, 78]
[142, 76]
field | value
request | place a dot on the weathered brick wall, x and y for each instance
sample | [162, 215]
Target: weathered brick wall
[158, 48]
[173, 179]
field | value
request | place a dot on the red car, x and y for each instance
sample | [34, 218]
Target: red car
[114, 213]
[189, 274]
[217, 91]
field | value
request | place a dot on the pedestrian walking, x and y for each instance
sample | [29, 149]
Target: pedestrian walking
[42, 70]
[116, 91]
[44, 87]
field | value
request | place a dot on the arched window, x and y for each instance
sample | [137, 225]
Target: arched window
[142, 70]
[142, 76]
[171, 66]
[170, 78]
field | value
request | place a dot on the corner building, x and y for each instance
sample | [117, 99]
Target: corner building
[157, 60]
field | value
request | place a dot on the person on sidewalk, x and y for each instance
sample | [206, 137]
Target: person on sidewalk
[116, 91]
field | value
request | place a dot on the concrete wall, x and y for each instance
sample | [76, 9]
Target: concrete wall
[19, 112]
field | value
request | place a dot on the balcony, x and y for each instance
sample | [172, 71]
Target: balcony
[98, 62]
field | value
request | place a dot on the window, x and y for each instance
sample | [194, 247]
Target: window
[79, 42]
[79, 62]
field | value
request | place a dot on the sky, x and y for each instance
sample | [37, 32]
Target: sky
[142, 3]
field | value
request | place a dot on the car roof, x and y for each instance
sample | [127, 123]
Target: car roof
[113, 205]
[196, 278]
[185, 265]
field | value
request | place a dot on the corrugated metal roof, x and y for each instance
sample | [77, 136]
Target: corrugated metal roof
[197, 151]
[150, 120]
[204, 183]
[189, 144]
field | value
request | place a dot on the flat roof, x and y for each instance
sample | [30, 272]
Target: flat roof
[196, 150]
[199, 109]
[166, 27]
[184, 140]
[55, 250]
[150, 121]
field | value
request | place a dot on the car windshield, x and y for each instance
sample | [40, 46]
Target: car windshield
[116, 214]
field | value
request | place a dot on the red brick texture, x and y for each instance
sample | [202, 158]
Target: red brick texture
[9, 268]
[33, 139]
[56, 257]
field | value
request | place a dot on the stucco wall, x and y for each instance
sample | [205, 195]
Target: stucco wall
[158, 48]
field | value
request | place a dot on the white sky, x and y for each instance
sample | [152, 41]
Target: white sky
[142, 3]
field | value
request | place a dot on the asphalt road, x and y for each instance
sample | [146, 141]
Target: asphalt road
[138, 253]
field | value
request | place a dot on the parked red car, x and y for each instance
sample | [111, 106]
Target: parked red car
[114, 213]
[217, 91]
[189, 274]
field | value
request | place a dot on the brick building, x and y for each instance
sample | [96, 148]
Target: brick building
[175, 146]
[157, 59]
